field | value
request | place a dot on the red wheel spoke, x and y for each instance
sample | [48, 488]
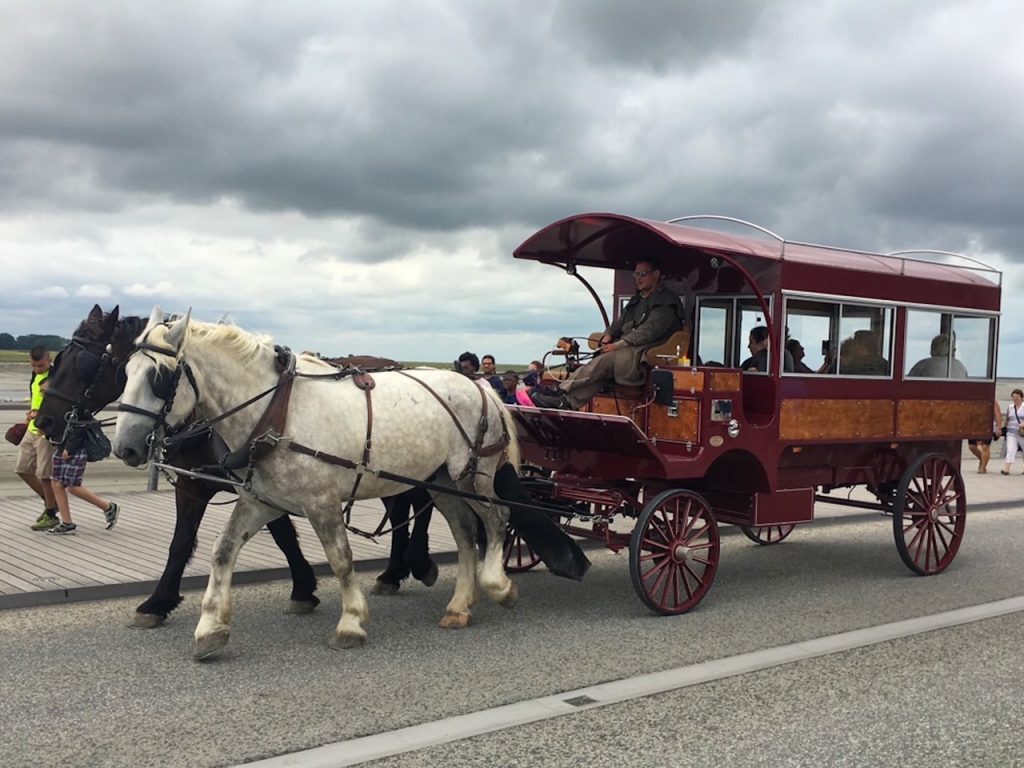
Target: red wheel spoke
[933, 544]
[706, 545]
[662, 546]
[697, 534]
[667, 583]
[691, 518]
[664, 572]
[697, 577]
[658, 563]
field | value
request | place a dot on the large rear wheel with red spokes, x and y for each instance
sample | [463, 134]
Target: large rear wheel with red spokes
[674, 551]
[929, 514]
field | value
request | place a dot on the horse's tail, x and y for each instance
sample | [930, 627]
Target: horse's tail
[512, 449]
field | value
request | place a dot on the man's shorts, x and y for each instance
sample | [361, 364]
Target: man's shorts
[35, 456]
[70, 471]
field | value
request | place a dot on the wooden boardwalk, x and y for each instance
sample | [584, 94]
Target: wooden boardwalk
[38, 568]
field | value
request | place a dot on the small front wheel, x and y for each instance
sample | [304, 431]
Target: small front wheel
[673, 552]
[767, 534]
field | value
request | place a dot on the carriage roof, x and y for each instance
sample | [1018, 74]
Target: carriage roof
[685, 248]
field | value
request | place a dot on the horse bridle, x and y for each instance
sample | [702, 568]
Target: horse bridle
[89, 365]
[167, 389]
[163, 386]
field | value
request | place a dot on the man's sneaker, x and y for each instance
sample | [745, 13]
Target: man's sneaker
[64, 528]
[45, 522]
[111, 514]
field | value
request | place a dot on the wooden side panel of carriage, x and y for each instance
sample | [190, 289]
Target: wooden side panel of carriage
[926, 418]
[812, 420]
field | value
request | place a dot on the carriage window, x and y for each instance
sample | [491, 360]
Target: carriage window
[713, 330]
[723, 329]
[839, 337]
[942, 345]
[810, 335]
[865, 348]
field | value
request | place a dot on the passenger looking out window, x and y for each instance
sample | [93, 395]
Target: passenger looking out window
[941, 363]
[757, 343]
[796, 350]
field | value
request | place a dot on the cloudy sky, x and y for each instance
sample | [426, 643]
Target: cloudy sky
[353, 176]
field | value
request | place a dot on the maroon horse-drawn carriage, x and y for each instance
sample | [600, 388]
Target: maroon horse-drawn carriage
[892, 367]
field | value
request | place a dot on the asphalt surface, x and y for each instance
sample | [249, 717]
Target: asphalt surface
[79, 688]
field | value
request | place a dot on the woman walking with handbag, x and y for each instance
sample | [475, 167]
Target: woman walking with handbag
[1012, 429]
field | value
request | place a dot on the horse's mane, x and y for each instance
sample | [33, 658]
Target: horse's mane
[228, 339]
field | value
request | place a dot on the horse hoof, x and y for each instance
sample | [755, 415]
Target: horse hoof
[300, 607]
[511, 598]
[210, 644]
[146, 621]
[384, 588]
[430, 576]
[344, 642]
[452, 620]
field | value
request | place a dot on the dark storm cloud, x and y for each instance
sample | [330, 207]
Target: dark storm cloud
[439, 116]
[659, 34]
[459, 116]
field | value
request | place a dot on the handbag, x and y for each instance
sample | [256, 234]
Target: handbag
[16, 433]
[96, 444]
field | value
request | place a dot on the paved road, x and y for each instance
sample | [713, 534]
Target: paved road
[80, 689]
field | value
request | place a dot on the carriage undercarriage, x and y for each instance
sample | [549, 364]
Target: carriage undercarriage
[671, 527]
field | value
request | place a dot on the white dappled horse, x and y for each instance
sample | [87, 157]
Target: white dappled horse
[413, 435]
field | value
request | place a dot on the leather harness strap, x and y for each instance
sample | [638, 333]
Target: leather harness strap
[476, 446]
[347, 512]
[272, 421]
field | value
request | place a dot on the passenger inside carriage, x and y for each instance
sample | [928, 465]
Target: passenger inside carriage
[652, 315]
[759, 343]
[940, 364]
[859, 355]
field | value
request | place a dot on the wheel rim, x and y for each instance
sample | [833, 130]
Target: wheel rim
[518, 556]
[674, 552]
[768, 534]
[929, 514]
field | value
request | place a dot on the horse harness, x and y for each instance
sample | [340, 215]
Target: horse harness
[270, 428]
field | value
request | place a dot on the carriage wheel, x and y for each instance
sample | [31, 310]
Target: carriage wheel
[673, 552]
[929, 514]
[768, 534]
[518, 556]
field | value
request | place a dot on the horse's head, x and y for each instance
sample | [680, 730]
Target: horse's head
[83, 378]
[160, 392]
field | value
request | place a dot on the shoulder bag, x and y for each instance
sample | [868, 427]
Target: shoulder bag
[16, 433]
[96, 444]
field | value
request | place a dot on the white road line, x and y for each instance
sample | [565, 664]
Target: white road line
[361, 750]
